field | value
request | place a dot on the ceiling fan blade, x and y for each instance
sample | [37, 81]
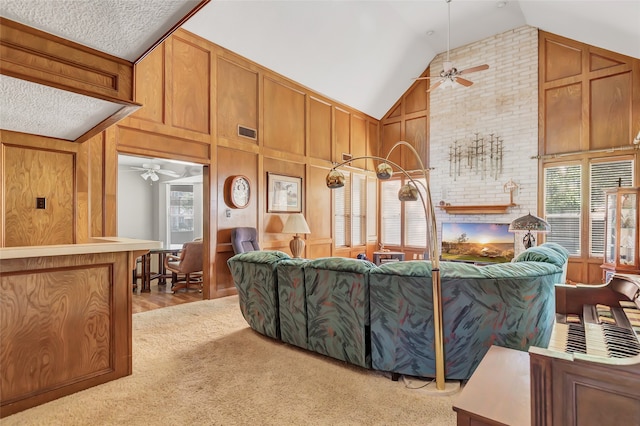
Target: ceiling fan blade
[435, 86]
[138, 168]
[474, 69]
[464, 81]
[423, 78]
[167, 172]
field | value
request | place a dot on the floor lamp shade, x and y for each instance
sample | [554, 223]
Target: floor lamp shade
[296, 224]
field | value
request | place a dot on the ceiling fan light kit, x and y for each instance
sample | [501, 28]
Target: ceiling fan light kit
[450, 76]
[151, 171]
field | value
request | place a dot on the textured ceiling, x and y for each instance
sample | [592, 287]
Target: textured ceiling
[365, 53]
[24, 106]
[122, 28]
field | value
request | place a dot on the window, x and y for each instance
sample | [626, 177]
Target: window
[563, 195]
[350, 210]
[358, 210]
[562, 205]
[605, 175]
[372, 209]
[413, 224]
[415, 233]
[391, 209]
[342, 207]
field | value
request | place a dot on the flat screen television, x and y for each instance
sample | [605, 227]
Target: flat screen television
[477, 242]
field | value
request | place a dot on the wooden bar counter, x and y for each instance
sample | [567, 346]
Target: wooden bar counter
[65, 318]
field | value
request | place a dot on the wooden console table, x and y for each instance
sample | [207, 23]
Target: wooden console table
[498, 392]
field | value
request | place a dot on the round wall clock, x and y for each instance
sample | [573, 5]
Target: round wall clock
[240, 191]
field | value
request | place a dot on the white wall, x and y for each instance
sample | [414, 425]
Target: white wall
[136, 206]
[503, 101]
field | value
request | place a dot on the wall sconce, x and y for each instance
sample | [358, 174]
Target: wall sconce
[529, 223]
[296, 224]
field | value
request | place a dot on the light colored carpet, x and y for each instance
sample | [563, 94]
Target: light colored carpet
[200, 364]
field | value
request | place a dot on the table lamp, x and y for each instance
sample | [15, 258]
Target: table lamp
[296, 224]
[529, 223]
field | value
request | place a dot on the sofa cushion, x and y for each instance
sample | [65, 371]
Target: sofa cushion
[292, 302]
[337, 291]
[265, 256]
[254, 275]
[557, 247]
[342, 264]
[543, 254]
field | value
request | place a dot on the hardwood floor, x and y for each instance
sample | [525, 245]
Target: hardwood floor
[161, 297]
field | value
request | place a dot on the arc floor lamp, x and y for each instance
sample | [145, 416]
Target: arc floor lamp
[409, 192]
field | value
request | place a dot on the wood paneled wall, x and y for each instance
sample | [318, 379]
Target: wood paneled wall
[589, 101]
[408, 120]
[196, 95]
[80, 195]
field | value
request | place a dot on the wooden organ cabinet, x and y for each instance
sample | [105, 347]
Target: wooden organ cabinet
[589, 375]
[621, 232]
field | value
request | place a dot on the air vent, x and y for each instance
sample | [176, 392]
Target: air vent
[247, 132]
[346, 157]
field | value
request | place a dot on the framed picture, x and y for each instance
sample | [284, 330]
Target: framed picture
[284, 194]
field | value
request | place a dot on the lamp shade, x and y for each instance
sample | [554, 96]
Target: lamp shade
[529, 223]
[296, 224]
[335, 179]
[384, 171]
[408, 192]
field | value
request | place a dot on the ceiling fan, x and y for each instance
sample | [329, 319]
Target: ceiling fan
[151, 171]
[450, 75]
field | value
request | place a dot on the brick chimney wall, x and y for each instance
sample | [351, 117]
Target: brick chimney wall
[504, 101]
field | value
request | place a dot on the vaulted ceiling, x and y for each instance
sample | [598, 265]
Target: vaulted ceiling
[361, 53]
[365, 53]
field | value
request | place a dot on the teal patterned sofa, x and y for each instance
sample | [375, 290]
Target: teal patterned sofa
[382, 317]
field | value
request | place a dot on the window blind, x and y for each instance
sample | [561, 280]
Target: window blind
[358, 209]
[342, 201]
[372, 209]
[604, 176]
[415, 222]
[391, 209]
[562, 205]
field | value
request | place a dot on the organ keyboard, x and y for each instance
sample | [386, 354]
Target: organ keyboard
[603, 331]
[589, 374]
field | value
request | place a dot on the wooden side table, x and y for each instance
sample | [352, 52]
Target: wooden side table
[380, 257]
[498, 392]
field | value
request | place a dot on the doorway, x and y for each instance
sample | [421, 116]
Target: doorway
[160, 200]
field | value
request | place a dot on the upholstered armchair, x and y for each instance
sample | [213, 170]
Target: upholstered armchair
[188, 263]
[244, 239]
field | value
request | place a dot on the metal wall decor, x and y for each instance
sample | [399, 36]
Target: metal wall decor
[483, 155]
